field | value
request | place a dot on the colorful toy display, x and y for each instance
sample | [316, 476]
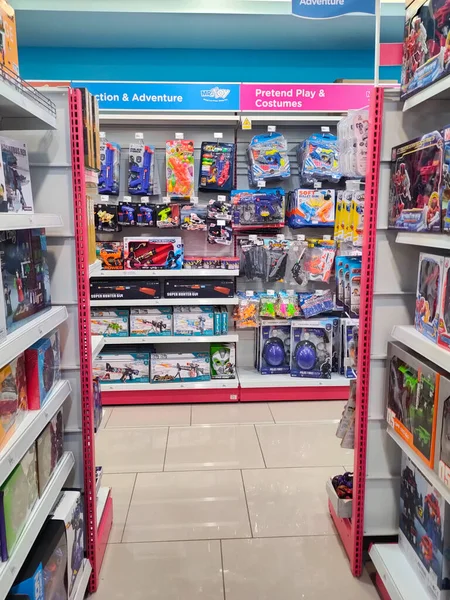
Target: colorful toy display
[106, 218]
[444, 307]
[15, 184]
[216, 166]
[151, 321]
[167, 216]
[265, 208]
[205, 288]
[268, 158]
[13, 397]
[193, 320]
[246, 313]
[42, 362]
[127, 214]
[429, 285]
[315, 303]
[274, 347]
[311, 208]
[311, 349]
[153, 253]
[131, 289]
[111, 255]
[109, 176]
[132, 367]
[220, 209]
[180, 168]
[165, 368]
[49, 450]
[318, 159]
[142, 171]
[193, 217]
[310, 260]
[110, 323]
[223, 361]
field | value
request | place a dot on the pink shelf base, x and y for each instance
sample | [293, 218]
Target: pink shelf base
[104, 529]
[292, 393]
[159, 396]
[344, 527]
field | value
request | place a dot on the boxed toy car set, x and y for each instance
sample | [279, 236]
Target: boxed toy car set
[311, 208]
[15, 184]
[42, 361]
[129, 289]
[49, 449]
[110, 367]
[430, 281]
[111, 322]
[223, 361]
[204, 288]
[193, 320]
[153, 253]
[151, 321]
[170, 367]
[109, 176]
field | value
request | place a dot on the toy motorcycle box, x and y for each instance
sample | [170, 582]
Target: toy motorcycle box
[15, 182]
[311, 208]
[444, 307]
[129, 289]
[274, 347]
[430, 282]
[151, 321]
[132, 367]
[204, 288]
[216, 167]
[193, 320]
[312, 349]
[166, 368]
[153, 253]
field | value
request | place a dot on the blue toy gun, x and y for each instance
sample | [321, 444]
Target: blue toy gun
[139, 180]
[308, 211]
[126, 215]
[106, 177]
[145, 215]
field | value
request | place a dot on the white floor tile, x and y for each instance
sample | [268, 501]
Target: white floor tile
[162, 571]
[212, 448]
[122, 489]
[288, 412]
[289, 502]
[307, 568]
[187, 506]
[150, 416]
[105, 416]
[226, 414]
[302, 445]
[131, 450]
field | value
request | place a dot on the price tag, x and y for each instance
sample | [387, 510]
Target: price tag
[290, 292]
[301, 237]
[249, 293]
[221, 198]
[127, 198]
[261, 183]
[253, 237]
[271, 292]
[327, 237]
[221, 223]
[102, 135]
[179, 136]
[194, 200]
[271, 128]
[280, 237]
[317, 185]
[104, 198]
[145, 199]
[325, 129]
[139, 135]
[218, 136]
[166, 199]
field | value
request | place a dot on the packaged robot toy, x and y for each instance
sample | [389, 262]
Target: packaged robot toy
[268, 158]
[274, 347]
[132, 367]
[193, 320]
[165, 368]
[142, 171]
[223, 361]
[151, 321]
[216, 166]
[15, 183]
[42, 363]
[311, 208]
[106, 218]
[318, 157]
[153, 253]
[180, 168]
[429, 286]
[167, 216]
[444, 307]
[311, 349]
[111, 255]
[193, 217]
[258, 209]
[127, 214]
[109, 176]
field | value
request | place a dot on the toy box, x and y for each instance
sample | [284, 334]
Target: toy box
[16, 177]
[151, 321]
[357, 217]
[106, 218]
[193, 262]
[167, 216]
[444, 307]
[180, 367]
[153, 253]
[429, 286]
[42, 361]
[145, 215]
[311, 208]
[129, 289]
[142, 171]
[424, 530]
[193, 217]
[311, 349]
[193, 320]
[88, 134]
[110, 323]
[122, 368]
[9, 56]
[17, 497]
[13, 397]
[98, 407]
[352, 285]
[349, 338]
[204, 288]
[274, 347]
[216, 167]
[25, 274]
[111, 255]
[268, 158]
[442, 453]
[49, 449]
[223, 361]
[258, 208]
[180, 168]
[69, 512]
[109, 176]
[127, 214]
[220, 209]
[318, 159]
[220, 233]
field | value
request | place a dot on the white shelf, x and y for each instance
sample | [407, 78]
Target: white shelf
[21, 110]
[168, 302]
[439, 90]
[83, 581]
[251, 378]
[28, 221]
[26, 335]
[32, 425]
[102, 498]
[97, 343]
[214, 384]
[400, 579]
[181, 273]
[408, 335]
[110, 117]
[427, 240]
[40, 512]
[95, 269]
[171, 339]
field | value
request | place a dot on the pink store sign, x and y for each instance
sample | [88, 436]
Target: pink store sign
[309, 97]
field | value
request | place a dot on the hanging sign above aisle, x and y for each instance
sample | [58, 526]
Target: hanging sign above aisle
[327, 9]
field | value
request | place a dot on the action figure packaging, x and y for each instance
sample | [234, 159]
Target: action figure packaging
[274, 347]
[153, 253]
[165, 368]
[204, 288]
[311, 208]
[216, 167]
[107, 218]
[151, 321]
[428, 296]
[312, 349]
[42, 361]
[111, 255]
[110, 323]
[122, 368]
[13, 397]
[223, 361]
[15, 183]
[129, 289]
[109, 176]
[424, 530]
[193, 320]
[444, 307]
[49, 447]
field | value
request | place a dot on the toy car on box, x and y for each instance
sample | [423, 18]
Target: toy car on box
[193, 320]
[311, 208]
[122, 368]
[129, 289]
[42, 361]
[153, 253]
[151, 321]
[429, 288]
[15, 183]
[110, 323]
[165, 368]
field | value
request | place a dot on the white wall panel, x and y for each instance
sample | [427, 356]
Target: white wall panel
[381, 507]
[377, 404]
[383, 454]
[61, 252]
[395, 265]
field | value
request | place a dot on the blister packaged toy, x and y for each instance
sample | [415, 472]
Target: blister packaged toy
[112, 322]
[111, 255]
[132, 367]
[142, 171]
[264, 208]
[151, 321]
[311, 208]
[15, 183]
[193, 320]
[219, 233]
[223, 361]
[49, 448]
[349, 336]
[357, 218]
[353, 134]
[216, 166]
[444, 307]
[145, 215]
[220, 209]
[429, 285]
[276, 253]
[167, 216]
[268, 158]
[294, 270]
[246, 313]
[109, 176]
[318, 158]
[193, 217]
[311, 349]
[267, 306]
[287, 305]
[315, 262]
[442, 453]
[195, 366]
[42, 363]
[180, 168]
[351, 272]
[127, 214]
[339, 217]
[106, 218]
[153, 253]
[274, 347]
[252, 257]
[315, 303]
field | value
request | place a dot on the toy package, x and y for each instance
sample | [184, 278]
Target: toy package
[153, 253]
[145, 215]
[151, 321]
[223, 361]
[42, 361]
[311, 349]
[268, 158]
[127, 214]
[315, 303]
[357, 218]
[318, 158]
[142, 171]
[111, 255]
[112, 322]
[252, 257]
[165, 368]
[220, 233]
[220, 209]
[442, 453]
[180, 168]
[15, 184]
[9, 56]
[246, 313]
[122, 368]
[25, 274]
[109, 176]
[106, 218]
[193, 217]
[424, 530]
[120, 289]
[167, 216]
[352, 285]
[216, 167]
[18, 495]
[13, 397]
[274, 347]
[353, 134]
[193, 320]
[49, 449]
[264, 208]
[430, 282]
[311, 208]
[444, 307]
[205, 288]
[275, 254]
[98, 407]
[69, 512]
[349, 343]
[310, 260]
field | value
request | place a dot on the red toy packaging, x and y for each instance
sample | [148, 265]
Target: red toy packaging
[42, 362]
[153, 253]
[444, 310]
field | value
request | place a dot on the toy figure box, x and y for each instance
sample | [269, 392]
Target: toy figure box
[311, 208]
[165, 368]
[274, 347]
[17, 497]
[428, 296]
[203, 288]
[349, 336]
[311, 349]
[109, 176]
[122, 368]
[153, 253]
[9, 56]
[258, 208]
[180, 169]
[13, 397]
[106, 218]
[110, 323]
[16, 178]
[216, 167]
[42, 362]
[444, 307]
[193, 320]
[69, 512]
[49, 447]
[25, 274]
[223, 361]
[129, 289]
[151, 321]
[111, 255]
[424, 530]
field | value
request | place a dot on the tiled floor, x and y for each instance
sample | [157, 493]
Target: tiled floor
[224, 502]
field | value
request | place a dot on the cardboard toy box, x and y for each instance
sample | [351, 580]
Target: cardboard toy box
[15, 182]
[442, 453]
[165, 368]
[444, 307]
[9, 56]
[429, 287]
[311, 208]
[203, 288]
[223, 361]
[193, 320]
[311, 349]
[274, 347]
[110, 323]
[153, 253]
[129, 289]
[151, 321]
[13, 397]
[49, 448]
[348, 356]
[111, 255]
[42, 361]
[132, 367]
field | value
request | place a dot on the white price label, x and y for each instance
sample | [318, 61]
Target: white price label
[194, 200]
[221, 223]
[327, 237]
[325, 129]
[280, 237]
[104, 198]
[249, 293]
[127, 198]
[271, 292]
[221, 198]
[145, 199]
[253, 237]
[317, 185]
[218, 136]
[179, 136]
[261, 183]
[102, 135]
[166, 199]
[271, 128]
[138, 135]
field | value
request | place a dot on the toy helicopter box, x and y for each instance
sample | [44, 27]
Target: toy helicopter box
[132, 367]
[428, 296]
[121, 289]
[223, 361]
[168, 368]
[424, 530]
[153, 253]
[444, 307]
[311, 208]
[109, 176]
[16, 176]
[151, 321]
[193, 320]
[110, 323]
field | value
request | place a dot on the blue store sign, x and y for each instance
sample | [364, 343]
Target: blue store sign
[163, 96]
[326, 9]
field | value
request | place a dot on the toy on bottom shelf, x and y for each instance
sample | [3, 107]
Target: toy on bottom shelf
[193, 320]
[268, 158]
[311, 349]
[216, 166]
[15, 177]
[274, 347]
[311, 208]
[109, 176]
[444, 307]
[318, 158]
[110, 255]
[180, 168]
[50, 447]
[153, 253]
[151, 321]
[223, 361]
[122, 368]
[42, 362]
[180, 367]
[429, 285]
[142, 172]
[258, 209]
[13, 397]
[110, 323]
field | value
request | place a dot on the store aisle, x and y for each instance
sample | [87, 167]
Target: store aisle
[224, 502]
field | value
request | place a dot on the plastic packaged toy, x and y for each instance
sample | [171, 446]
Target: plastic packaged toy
[127, 214]
[246, 313]
[311, 208]
[49, 448]
[316, 303]
[444, 307]
[109, 176]
[223, 361]
[151, 321]
[311, 263]
[276, 253]
[219, 233]
[318, 158]
[252, 257]
[165, 368]
[13, 397]
[349, 343]
[267, 306]
[294, 271]
[220, 209]
[122, 368]
[153, 253]
[216, 166]
[112, 322]
[353, 134]
[131, 289]
[42, 362]
[268, 158]
[287, 305]
[106, 218]
[429, 285]
[145, 215]
[180, 168]
[264, 208]
[142, 171]
[111, 255]
[311, 349]
[193, 320]
[9, 57]
[193, 217]
[274, 347]
[15, 183]
[167, 216]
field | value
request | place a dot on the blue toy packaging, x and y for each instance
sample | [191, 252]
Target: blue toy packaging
[312, 349]
[145, 215]
[429, 289]
[268, 158]
[315, 303]
[274, 347]
[311, 208]
[193, 320]
[340, 280]
[109, 176]
[258, 209]
[350, 269]
[127, 214]
[142, 171]
[349, 336]
[165, 368]
[112, 367]
[151, 321]
[42, 365]
[318, 158]
[216, 167]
